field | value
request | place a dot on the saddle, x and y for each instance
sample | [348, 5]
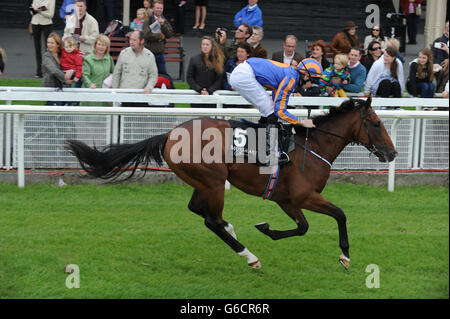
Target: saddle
[248, 140]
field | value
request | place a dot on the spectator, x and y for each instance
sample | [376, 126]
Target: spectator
[135, 68]
[205, 70]
[395, 43]
[334, 77]
[148, 6]
[82, 26]
[104, 13]
[357, 72]
[52, 75]
[242, 53]
[98, 65]
[243, 33]
[72, 59]
[250, 14]
[289, 54]
[156, 30]
[138, 22]
[441, 75]
[385, 78]
[200, 5]
[66, 10]
[2, 61]
[445, 92]
[420, 80]
[42, 23]
[410, 7]
[375, 35]
[440, 47]
[179, 16]
[258, 51]
[343, 41]
[374, 53]
[318, 54]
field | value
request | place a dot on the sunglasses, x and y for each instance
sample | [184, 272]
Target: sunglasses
[240, 30]
[375, 29]
[374, 49]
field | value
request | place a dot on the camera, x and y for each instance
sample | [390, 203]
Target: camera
[219, 31]
[438, 45]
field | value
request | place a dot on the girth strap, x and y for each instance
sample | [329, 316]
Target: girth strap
[272, 182]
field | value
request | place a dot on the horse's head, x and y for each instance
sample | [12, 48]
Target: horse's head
[372, 134]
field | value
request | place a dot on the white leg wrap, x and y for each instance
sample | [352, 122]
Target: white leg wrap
[230, 230]
[247, 254]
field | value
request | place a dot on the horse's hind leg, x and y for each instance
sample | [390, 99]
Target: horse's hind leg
[200, 207]
[296, 214]
[211, 210]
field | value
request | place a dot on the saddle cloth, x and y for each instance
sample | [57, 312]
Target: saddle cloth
[248, 140]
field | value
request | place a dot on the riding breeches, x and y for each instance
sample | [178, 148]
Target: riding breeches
[243, 80]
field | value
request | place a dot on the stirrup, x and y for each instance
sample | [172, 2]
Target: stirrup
[283, 159]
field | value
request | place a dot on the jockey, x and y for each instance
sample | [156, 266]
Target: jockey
[251, 76]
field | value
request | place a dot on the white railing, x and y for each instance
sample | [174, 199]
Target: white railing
[165, 96]
[411, 140]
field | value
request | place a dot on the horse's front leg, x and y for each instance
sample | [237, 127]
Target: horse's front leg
[319, 204]
[296, 214]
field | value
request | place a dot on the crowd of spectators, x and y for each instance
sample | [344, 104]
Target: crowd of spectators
[81, 57]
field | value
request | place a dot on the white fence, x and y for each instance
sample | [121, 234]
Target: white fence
[33, 136]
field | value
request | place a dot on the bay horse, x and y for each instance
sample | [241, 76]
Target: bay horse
[354, 121]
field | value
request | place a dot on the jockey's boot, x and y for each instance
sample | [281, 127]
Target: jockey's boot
[272, 142]
[262, 120]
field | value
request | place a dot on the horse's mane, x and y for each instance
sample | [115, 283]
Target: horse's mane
[334, 111]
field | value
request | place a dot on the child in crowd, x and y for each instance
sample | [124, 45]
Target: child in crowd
[329, 82]
[72, 59]
[138, 23]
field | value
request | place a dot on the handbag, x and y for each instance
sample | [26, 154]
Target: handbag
[30, 29]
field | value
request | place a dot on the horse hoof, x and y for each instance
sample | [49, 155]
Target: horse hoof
[345, 262]
[262, 227]
[255, 265]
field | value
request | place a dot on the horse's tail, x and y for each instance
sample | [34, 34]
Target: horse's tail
[115, 159]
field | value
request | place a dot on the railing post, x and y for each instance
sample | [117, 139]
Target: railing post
[8, 119]
[219, 105]
[422, 134]
[391, 180]
[115, 123]
[20, 152]
[417, 142]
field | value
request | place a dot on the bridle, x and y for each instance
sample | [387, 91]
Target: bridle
[370, 146]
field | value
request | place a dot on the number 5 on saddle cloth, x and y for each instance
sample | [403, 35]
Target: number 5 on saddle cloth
[248, 141]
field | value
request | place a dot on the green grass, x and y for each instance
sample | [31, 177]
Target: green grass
[38, 83]
[133, 241]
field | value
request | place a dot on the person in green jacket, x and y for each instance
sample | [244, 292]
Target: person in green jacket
[98, 65]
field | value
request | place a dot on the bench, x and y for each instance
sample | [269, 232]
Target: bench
[173, 51]
[117, 45]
